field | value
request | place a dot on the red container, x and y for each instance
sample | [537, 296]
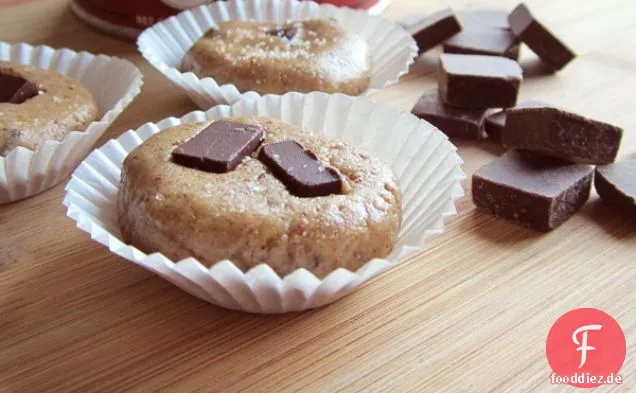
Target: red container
[127, 18]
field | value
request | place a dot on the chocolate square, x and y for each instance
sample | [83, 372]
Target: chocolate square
[558, 133]
[538, 38]
[434, 29]
[532, 190]
[220, 147]
[483, 19]
[493, 42]
[476, 81]
[300, 170]
[616, 185]
[495, 123]
[452, 121]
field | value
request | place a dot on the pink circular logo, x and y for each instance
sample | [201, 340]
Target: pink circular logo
[586, 348]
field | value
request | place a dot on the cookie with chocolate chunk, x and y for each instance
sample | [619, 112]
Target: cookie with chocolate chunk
[38, 105]
[303, 56]
[257, 190]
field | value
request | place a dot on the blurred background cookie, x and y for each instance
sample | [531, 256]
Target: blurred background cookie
[303, 56]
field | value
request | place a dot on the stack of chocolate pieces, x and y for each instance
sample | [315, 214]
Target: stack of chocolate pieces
[547, 174]
[478, 71]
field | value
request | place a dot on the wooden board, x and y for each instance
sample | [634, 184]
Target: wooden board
[470, 314]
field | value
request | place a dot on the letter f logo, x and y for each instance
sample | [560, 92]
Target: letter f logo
[583, 344]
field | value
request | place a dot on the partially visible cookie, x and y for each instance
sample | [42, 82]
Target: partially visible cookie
[303, 56]
[38, 105]
[248, 214]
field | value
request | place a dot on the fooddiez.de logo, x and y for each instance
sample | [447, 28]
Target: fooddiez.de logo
[586, 348]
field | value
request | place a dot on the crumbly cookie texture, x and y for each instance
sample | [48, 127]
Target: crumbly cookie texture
[62, 105]
[310, 55]
[248, 216]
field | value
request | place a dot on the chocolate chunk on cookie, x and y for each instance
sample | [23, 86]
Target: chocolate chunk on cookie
[300, 170]
[16, 90]
[288, 32]
[558, 133]
[534, 191]
[453, 121]
[476, 81]
[616, 184]
[220, 147]
[542, 42]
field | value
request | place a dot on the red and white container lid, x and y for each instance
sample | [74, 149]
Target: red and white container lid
[128, 18]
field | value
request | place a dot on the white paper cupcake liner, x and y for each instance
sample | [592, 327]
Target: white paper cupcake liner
[113, 82]
[165, 44]
[425, 162]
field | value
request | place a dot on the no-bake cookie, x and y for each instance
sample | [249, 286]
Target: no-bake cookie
[232, 199]
[303, 56]
[38, 105]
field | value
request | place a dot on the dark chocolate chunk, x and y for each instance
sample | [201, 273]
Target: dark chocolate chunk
[210, 33]
[220, 147]
[476, 81]
[300, 170]
[434, 29]
[616, 184]
[483, 19]
[532, 190]
[538, 38]
[452, 121]
[496, 122]
[557, 133]
[285, 32]
[16, 90]
[493, 42]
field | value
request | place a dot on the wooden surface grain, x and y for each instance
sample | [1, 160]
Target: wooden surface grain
[470, 314]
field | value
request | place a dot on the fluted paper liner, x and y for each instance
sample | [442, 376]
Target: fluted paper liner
[113, 82]
[165, 44]
[426, 163]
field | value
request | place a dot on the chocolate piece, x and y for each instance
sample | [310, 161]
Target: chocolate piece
[16, 90]
[483, 20]
[616, 184]
[493, 42]
[532, 190]
[496, 122]
[476, 81]
[285, 32]
[220, 147]
[452, 121]
[542, 42]
[435, 29]
[300, 170]
[557, 133]
[210, 32]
